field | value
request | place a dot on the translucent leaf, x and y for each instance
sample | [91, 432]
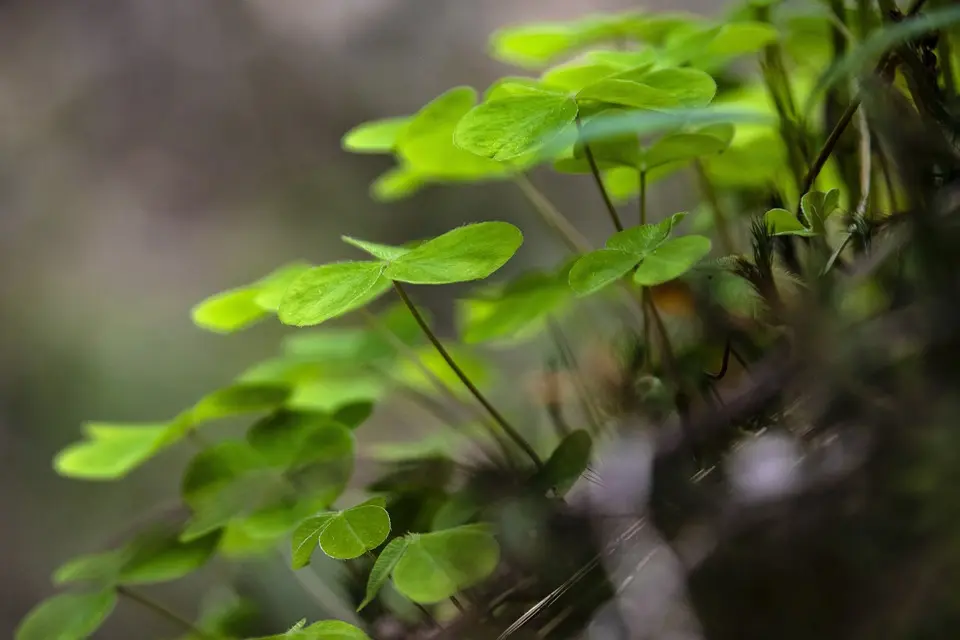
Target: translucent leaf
[623, 60]
[427, 145]
[533, 45]
[111, 451]
[239, 308]
[781, 222]
[278, 516]
[470, 252]
[67, 616]
[382, 568]
[378, 136]
[573, 76]
[380, 251]
[437, 565]
[306, 538]
[642, 239]
[396, 184]
[630, 94]
[567, 462]
[509, 128]
[229, 311]
[656, 90]
[671, 260]
[682, 147]
[352, 532]
[598, 269]
[512, 86]
[331, 290]
[818, 206]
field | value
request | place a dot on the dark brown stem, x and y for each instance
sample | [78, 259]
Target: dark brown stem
[497, 417]
[595, 170]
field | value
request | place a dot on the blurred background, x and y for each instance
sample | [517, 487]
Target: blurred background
[154, 153]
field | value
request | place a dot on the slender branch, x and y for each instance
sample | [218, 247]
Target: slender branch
[552, 217]
[374, 322]
[163, 611]
[595, 170]
[498, 418]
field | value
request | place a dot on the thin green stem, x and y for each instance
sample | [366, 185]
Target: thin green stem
[598, 178]
[472, 388]
[719, 217]
[643, 196]
[552, 216]
[163, 611]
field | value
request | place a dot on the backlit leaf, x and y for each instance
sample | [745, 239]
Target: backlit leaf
[642, 239]
[682, 147]
[352, 532]
[380, 251]
[427, 144]
[818, 206]
[437, 565]
[599, 269]
[305, 539]
[470, 252]
[508, 128]
[671, 260]
[331, 290]
[111, 451]
[378, 136]
[396, 184]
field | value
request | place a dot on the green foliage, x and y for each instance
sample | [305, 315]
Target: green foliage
[628, 98]
[435, 566]
[647, 250]
[67, 616]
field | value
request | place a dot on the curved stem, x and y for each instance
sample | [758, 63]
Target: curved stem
[595, 170]
[499, 419]
[552, 217]
[163, 611]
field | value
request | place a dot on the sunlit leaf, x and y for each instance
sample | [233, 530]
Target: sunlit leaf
[573, 76]
[331, 290]
[352, 532]
[470, 252]
[377, 136]
[437, 565]
[512, 86]
[642, 239]
[682, 147]
[67, 616]
[671, 260]
[427, 144]
[382, 568]
[396, 184]
[380, 251]
[111, 451]
[598, 269]
[229, 311]
[508, 128]
[411, 374]
[234, 400]
[305, 539]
